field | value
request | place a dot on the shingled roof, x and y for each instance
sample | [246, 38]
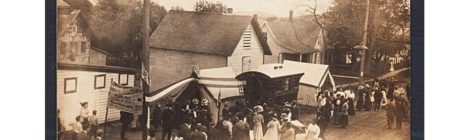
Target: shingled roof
[204, 32]
[299, 35]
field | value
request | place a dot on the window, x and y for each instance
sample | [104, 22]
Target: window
[100, 81]
[83, 47]
[123, 79]
[70, 85]
[286, 84]
[247, 38]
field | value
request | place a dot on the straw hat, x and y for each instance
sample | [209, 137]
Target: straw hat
[360, 87]
[258, 109]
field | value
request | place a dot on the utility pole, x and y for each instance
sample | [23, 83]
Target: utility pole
[145, 62]
[362, 47]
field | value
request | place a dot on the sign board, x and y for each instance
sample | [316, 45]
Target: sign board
[127, 99]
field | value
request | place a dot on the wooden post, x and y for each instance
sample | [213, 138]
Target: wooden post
[364, 42]
[106, 115]
[145, 59]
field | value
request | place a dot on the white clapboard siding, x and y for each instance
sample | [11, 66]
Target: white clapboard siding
[69, 104]
[255, 52]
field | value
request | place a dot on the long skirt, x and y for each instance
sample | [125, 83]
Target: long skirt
[258, 131]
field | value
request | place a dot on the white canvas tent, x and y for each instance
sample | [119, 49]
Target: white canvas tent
[315, 76]
[208, 82]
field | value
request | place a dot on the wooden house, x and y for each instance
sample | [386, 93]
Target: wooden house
[184, 40]
[294, 38]
[82, 73]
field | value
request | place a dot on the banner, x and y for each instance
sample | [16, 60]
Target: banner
[127, 99]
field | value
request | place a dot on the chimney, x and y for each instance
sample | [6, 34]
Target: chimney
[229, 10]
[291, 14]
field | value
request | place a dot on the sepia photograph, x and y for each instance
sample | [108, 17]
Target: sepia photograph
[233, 70]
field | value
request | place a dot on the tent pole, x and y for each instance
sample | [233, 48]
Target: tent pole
[106, 115]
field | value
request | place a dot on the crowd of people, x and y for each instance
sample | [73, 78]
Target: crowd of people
[264, 121]
[261, 121]
[85, 125]
[335, 107]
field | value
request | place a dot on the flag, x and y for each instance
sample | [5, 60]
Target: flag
[145, 75]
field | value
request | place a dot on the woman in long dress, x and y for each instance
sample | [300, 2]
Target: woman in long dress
[287, 132]
[241, 130]
[273, 128]
[258, 122]
[84, 114]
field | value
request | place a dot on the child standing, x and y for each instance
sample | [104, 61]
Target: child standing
[93, 120]
[77, 128]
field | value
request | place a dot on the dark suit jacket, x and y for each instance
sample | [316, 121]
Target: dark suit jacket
[168, 118]
[185, 132]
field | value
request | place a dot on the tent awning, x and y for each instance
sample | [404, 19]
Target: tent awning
[171, 92]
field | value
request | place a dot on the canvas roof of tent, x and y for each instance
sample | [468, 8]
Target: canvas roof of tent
[315, 74]
[220, 80]
[277, 70]
[174, 91]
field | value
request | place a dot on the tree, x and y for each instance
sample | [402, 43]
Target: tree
[213, 7]
[177, 8]
[117, 26]
[387, 22]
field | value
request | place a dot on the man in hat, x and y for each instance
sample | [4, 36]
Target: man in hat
[126, 119]
[400, 112]
[168, 119]
[156, 116]
[198, 133]
[344, 113]
[185, 130]
[391, 112]
[361, 97]
[324, 117]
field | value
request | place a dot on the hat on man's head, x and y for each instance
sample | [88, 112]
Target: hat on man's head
[258, 108]
[360, 87]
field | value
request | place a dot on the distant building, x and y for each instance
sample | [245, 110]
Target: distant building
[185, 40]
[295, 38]
[82, 73]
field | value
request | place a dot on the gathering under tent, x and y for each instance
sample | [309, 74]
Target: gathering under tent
[210, 84]
[182, 92]
[316, 77]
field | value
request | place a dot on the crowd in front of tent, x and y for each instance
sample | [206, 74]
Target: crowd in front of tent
[335, 107]
[238, 122]
[192, 119]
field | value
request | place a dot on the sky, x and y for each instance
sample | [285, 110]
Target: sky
[278, 8]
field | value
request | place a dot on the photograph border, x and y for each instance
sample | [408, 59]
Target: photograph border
[417, 71]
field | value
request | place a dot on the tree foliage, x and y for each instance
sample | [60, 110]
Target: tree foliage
[386, 21]
[117, 25]
[386, 35]
[206, 6]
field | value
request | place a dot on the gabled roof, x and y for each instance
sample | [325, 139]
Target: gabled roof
[64, 20]
[204, 32]
[315, 74]
[62, 3]
[297, 36]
